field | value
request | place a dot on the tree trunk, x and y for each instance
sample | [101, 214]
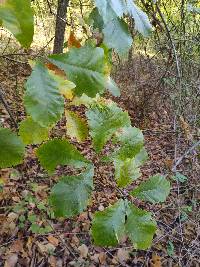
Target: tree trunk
[60, 26]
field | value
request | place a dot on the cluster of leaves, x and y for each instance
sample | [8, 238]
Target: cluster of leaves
[81, 76]
[108, 18]
[37, 223]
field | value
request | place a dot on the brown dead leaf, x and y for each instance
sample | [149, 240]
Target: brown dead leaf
[95, 258]
[53, 240]
[102, 257]
[101, 207]
[155, 261]
[72, 41]
[52, 261]
[11, 261]
[5, 174]
[17, 246]
[122, 255]
[45, 248]
[9, 224]
[75, 241]
[29, 245]
[185, 128]
[168, 163]
[83, 249]
[83, 217]
[12, 216]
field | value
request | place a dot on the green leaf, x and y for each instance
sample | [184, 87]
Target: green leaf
[43, 100]
[32, 218]
[104, 121]
[32, 133]
[141, 157]
[11, 149]
[142, 23]
[112, 87]
[170, 248]
[85, 67]
[108, 225]
[156, 189]
[95, 19]
[131, 142]
[112, 9]
[70, 196]
[140, 227]
[76, 126]
[126, 171]
[115, 30]
[180, 177]
[117, 36]
[17, 17]
[59, 152]
[35, 228]
[192, 9]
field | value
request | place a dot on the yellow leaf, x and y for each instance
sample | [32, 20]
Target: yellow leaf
[66, 89]
[76, 126]
[65, 86]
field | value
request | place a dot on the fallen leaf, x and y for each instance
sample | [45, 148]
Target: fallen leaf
[75, 241]
[155, 261]
[52, 261]
[102, 257]
[101, 207]
[83, 217]
[12, 216]
[11, 261]
[122, 255]
[53, 240]
[83, 249]
[95, 258]
[17, 246]
[185, 128]
[45, 248]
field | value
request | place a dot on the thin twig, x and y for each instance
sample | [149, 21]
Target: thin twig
[171, 41]
[14, 60]
[178, 195]
[185, 155]
[8, 109]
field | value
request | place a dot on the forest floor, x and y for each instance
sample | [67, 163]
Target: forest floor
[67, 242]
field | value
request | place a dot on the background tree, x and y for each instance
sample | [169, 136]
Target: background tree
[60, 26]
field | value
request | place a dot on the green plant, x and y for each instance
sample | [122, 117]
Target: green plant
[35, 218]
[170, 249]
[180, 177]
[80, 77]
[185, 210]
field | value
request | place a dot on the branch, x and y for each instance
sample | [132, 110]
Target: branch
[185, 155]
[8, 109]
[171, 41]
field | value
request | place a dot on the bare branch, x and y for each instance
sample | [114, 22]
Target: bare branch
[13, 121]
